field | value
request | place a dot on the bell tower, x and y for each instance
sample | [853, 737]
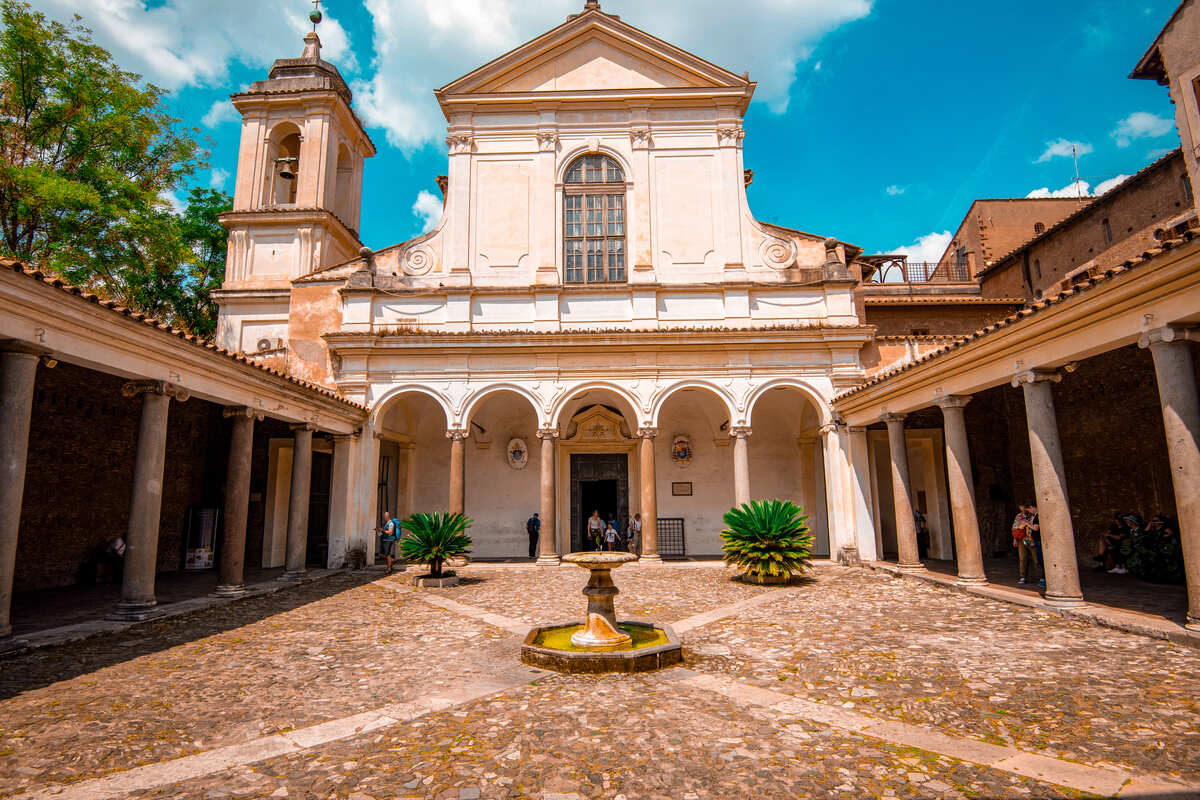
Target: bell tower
[298, 194]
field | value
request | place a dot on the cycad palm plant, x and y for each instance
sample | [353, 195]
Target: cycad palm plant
[434, 538]
[768, 539]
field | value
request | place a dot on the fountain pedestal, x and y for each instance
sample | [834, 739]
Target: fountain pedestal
[601, 631]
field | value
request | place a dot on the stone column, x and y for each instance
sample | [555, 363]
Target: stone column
[230, 583]
[547, 541]
[18, 370]
[296, 558]
[962, 491]
[458, 495]
[906, 526]
[1181, 420]
[649, 495]
[741, 465]
[1050, 482]
[145, 504]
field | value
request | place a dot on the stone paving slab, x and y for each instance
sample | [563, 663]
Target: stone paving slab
[971, 667]
[232, 674]
[538, 595]
[641, 738]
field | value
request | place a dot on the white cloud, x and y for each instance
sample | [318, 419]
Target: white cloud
[896, 191]
[1064, 148]
[1107, 186]
[1141, 125]
[222, 111]
[189, 43]
[218, 178]
[428, 208]
[929, 248]
[1073, 189]
[423, 44]
[172, 201]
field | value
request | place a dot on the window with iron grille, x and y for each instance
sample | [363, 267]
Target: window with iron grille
[594, 221]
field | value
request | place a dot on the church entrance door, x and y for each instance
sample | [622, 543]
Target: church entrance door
[599, 482]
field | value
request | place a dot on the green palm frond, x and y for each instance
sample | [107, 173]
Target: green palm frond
[768, 539]
[435, 538]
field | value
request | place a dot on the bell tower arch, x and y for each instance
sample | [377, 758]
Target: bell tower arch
[297, 198]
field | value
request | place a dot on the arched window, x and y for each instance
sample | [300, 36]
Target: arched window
[1038, 228]
[594, 221]
[285, 168]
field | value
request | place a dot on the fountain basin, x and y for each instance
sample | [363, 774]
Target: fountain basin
[652, 646]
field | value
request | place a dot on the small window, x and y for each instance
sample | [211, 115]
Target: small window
[920, 331]
[1038, 229]
[1107, 231]
[1187, 188]
[1037, 269]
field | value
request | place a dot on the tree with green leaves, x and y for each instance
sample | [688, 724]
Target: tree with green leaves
[89, 159]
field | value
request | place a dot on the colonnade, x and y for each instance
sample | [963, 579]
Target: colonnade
[1180, 402]
[18, 369]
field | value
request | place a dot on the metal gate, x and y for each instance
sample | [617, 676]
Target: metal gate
[671, 543]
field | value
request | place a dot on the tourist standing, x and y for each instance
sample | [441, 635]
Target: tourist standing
[1022, 535]
[595, 528]
[387, 542]
[635, 535]
[610, 537]
[533, 527]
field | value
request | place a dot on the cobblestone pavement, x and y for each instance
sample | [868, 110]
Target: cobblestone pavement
[893, 649]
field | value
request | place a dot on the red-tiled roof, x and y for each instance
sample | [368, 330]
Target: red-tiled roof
[425, 332]
[940, 300]
[1021, 315]
[116, 308]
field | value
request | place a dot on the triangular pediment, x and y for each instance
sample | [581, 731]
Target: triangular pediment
[594, 51]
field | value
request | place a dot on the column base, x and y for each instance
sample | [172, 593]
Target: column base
[135, 611]
[293, 576]
[918, 567]
[652, 558]
[230, 590]
[547, 561]
[1064, 602]
[964, 581]
[1193, 624]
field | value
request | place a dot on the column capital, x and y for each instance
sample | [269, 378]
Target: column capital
[230, 412]
[548, 433]
[135, 388]
[857, 428]
[1031, 376]
[893, 418]
[302, 426]
[831, 427]
[647, 433]
[457, 434]
[741, 431]
[954, 400]
[1168, 334]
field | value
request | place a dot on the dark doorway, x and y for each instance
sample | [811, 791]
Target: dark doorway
[318, 510]
[599, 482]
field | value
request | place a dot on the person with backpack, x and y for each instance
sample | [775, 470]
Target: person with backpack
[387, 542]
[533, 527]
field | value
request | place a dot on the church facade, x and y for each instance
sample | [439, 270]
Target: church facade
[597, 323]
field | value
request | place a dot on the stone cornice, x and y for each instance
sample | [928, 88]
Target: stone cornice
[290, 216]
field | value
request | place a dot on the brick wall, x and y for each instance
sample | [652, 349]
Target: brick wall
[83, 440]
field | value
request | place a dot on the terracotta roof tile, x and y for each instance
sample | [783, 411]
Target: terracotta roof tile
[137, 316]
[1080, 288]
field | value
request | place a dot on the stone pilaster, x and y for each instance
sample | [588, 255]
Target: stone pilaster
[741, 465]
[458, 476]
[547, 540]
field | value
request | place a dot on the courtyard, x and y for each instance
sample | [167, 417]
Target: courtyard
[851, 684]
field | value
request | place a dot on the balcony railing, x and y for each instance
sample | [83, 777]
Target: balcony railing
[899, 270]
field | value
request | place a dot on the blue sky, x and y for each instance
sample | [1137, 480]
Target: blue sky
[876, 121]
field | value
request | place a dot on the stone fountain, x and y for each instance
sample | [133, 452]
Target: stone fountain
[601, 643]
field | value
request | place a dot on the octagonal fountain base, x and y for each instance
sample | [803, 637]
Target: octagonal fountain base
[653, 646]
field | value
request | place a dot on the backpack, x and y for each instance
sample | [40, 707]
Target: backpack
[531, 526]
[395, 532]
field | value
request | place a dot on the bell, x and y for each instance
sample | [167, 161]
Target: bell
[287, 174]
[287, 168]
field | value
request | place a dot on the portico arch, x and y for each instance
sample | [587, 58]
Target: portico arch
[479, 396]
[703, 386]
[819, 402]
[602, 392]
[787, 453]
